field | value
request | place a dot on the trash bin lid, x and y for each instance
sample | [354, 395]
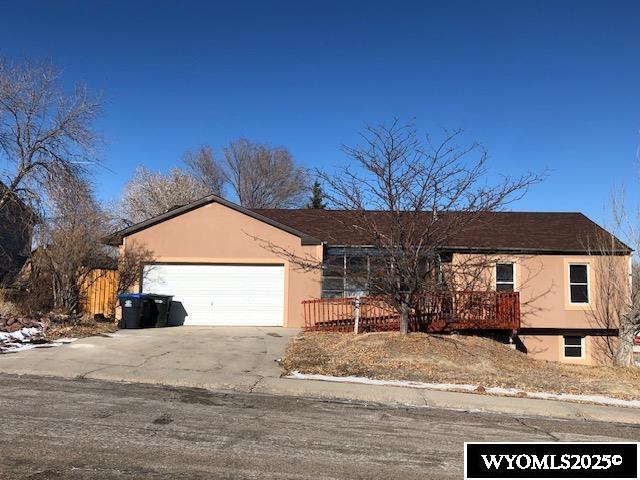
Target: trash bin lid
[132, 295]
[158, 295]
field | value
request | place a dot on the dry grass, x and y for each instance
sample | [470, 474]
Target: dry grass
[452, 359]
[8, 309]
[85, 328]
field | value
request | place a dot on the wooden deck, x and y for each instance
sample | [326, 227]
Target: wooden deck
[435, 312]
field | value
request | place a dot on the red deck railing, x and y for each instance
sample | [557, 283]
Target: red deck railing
[434, 312]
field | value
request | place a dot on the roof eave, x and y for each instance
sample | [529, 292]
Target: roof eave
[530, 251]
[116, 238]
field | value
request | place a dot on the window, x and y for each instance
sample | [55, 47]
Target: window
[333, 276]
[345, 273]
[505, 277]
[573, 347]
[356, 275]
[579, 283]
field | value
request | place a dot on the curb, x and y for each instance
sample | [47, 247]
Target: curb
[467, 402]
[383, 395]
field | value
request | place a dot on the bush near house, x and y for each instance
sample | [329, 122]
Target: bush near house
[455, 359]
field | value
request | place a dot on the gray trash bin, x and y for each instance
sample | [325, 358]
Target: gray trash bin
[136, 310]
[162, 307]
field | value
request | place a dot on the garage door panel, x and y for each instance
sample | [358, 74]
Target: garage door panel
[222, 294]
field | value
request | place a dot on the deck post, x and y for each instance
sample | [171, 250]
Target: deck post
[356, 314]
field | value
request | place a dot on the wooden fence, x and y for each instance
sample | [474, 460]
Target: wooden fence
[99, 292]
[434, 312]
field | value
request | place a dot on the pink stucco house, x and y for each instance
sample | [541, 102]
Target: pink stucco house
[207, 255]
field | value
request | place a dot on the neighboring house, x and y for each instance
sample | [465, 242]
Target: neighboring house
[227, 265]
[16, 230]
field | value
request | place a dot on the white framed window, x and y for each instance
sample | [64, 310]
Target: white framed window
[579, 283]
[505, 276]
[573, 346]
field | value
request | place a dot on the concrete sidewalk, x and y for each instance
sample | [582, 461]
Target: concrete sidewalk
[244, 360]
[468, 402]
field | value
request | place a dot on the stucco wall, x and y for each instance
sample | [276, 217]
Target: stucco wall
[551, 347]
[543, 283]
[544, 286]
[215, 233]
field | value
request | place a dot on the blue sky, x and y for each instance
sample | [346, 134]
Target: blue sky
[541, 84]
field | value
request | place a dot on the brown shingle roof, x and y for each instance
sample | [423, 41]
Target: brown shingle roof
[496, 231]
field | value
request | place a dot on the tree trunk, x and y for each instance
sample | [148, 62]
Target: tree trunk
[627, 333]
[404, 317]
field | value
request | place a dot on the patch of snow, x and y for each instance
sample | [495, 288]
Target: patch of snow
[22, 335]
[16, 347]
[25, 339]
[11, 342]
[456, 387]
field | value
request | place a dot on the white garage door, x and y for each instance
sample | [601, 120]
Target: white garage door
[220, 294]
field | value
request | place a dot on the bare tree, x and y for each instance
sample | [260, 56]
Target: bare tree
[152, 193]
[402, 176]
[617, 289]
[203, 165]
[410, 197]
[42, 128]
[131, 264]
[262, 176]
[70, 238]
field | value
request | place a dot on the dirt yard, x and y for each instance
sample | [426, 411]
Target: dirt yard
[84, 328]
[452, 359]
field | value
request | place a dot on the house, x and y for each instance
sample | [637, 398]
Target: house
[16, 230]
[227, 265]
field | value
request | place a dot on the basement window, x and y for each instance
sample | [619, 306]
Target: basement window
[505, 277]
[573, 347]
[579, 283]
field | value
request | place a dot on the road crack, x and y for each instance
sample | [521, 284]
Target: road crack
[84, 375]
[255, 384]
[151, 357]
[538, 429]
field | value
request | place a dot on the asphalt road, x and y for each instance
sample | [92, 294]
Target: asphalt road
[81, 429]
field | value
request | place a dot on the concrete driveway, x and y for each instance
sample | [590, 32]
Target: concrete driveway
[205, 357]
